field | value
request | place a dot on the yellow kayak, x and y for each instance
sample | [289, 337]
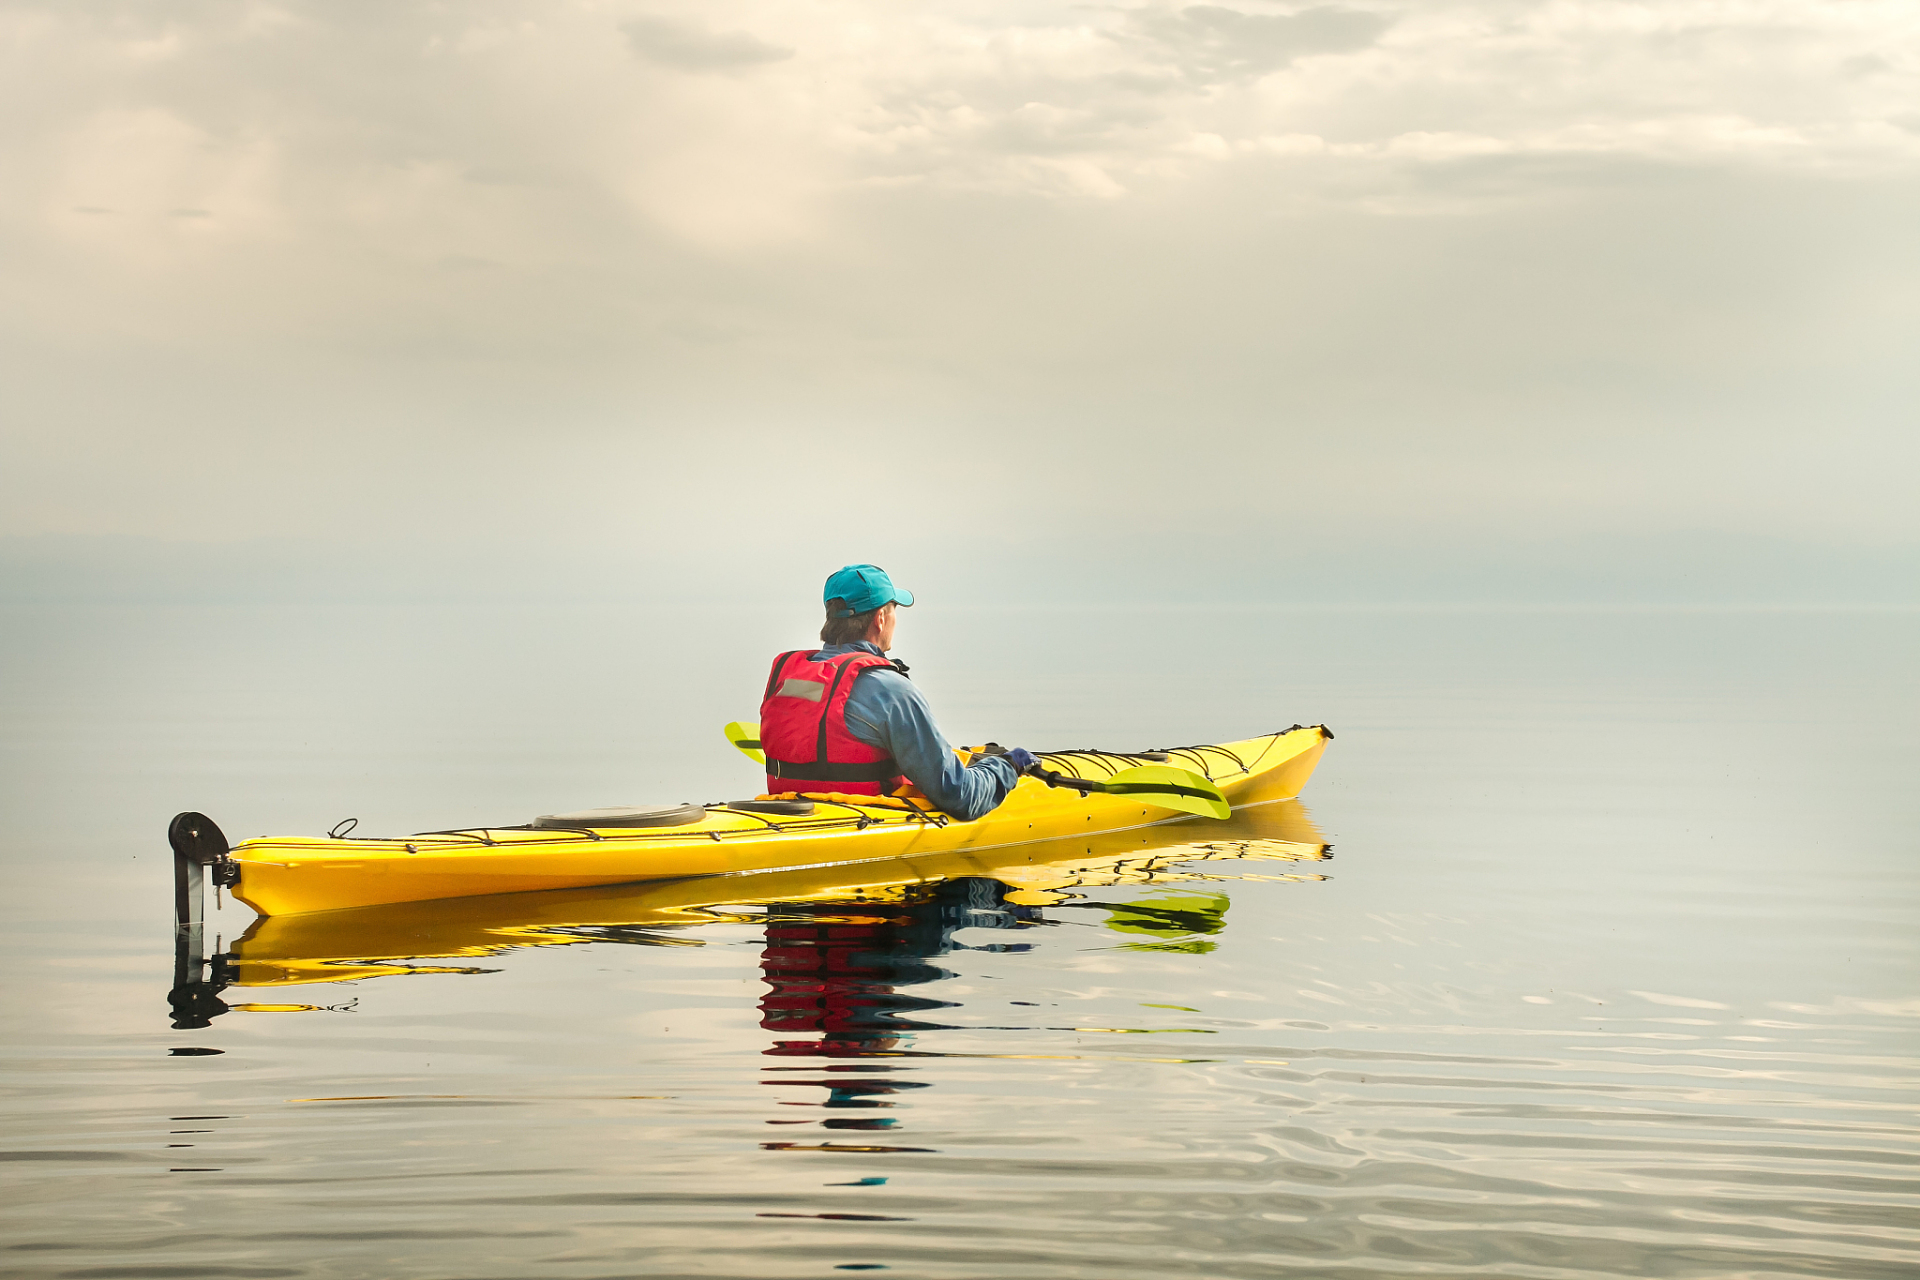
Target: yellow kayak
[448, 936]
[290, 875]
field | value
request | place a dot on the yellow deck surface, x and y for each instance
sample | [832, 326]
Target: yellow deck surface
[297, 874]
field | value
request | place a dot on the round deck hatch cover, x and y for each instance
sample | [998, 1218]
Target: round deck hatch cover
[649, 815]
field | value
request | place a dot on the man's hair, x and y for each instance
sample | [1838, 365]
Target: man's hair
[844, 630]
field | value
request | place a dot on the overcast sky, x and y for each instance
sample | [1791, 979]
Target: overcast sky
[829, 280]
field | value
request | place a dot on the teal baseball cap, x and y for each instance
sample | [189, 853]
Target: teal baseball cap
[865, 587]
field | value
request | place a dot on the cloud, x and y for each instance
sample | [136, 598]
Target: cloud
[687, 46]
[1576, 266]
[1210, 43]
[1060, 103]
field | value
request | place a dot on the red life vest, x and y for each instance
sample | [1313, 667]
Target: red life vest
[803, 727]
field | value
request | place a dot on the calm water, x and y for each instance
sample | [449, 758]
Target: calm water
[1611, 971]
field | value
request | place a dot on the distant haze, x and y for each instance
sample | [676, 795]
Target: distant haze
[1516, 300]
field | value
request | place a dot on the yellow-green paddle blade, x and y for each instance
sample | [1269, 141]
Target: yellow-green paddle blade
[745, 734]
[1166, 787]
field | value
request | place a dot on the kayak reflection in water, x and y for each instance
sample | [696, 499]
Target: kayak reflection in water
[833, 971]
[844, 717]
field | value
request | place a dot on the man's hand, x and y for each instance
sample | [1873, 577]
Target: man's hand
[1022, 759]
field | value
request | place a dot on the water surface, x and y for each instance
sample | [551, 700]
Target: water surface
[1609, 970]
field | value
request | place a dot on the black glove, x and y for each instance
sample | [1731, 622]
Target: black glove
[1022, 760]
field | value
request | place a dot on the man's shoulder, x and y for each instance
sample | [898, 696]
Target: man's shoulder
[885, 682]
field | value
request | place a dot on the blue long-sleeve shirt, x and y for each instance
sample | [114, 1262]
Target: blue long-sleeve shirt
[885, 710]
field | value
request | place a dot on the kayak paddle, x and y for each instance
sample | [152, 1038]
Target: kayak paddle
[1160, 785]
[745, 735]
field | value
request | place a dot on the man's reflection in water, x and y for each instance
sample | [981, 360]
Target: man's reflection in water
[833, 972]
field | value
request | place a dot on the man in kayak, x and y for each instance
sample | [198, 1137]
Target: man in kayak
[844, 717]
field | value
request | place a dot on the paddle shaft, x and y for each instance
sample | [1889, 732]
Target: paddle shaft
[1054, 778]
[746, 737]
